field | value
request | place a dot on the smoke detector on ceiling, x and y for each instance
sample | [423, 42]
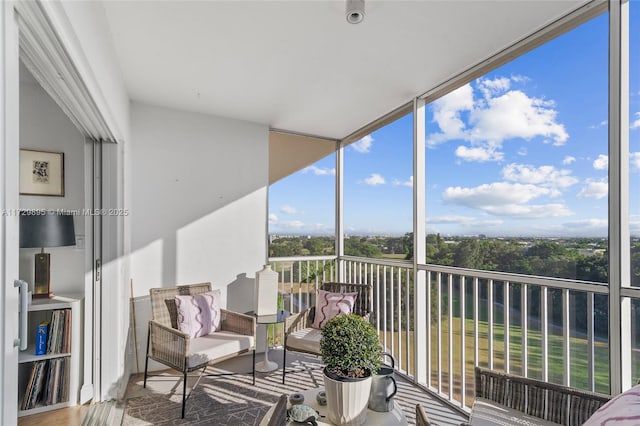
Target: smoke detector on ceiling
[355, 11]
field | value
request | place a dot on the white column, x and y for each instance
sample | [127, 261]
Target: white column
[421, 322]
[340, 277]
[619, 256]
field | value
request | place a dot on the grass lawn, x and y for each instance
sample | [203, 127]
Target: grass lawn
[578, 350]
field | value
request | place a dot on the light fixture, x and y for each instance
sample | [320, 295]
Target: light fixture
[355, 11]
[43, 229]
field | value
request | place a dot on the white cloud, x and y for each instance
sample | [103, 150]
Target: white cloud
[447, 113]
[634, 225]
[288, 210]
[498, 114]
[498, 193]
[588, 223]
[531, 211]
[568, 160]
[363, 145]
[480, 154]
[520, 78]
[292, 224]
[505, 199]
[516, 115]
[600, 124]
[594, 189]
[547, 176]
[409, 183]
[273, 218]
[462, 220]
[374, 179]
[636, 122]
[450, 219]
[522, 152]
[601, 163]
[319, 171]
[490, 88]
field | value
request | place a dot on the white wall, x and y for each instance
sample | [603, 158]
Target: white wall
[43, 126]
[198, 204]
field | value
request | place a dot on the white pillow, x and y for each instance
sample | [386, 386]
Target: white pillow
[328, 305]
[199, 314]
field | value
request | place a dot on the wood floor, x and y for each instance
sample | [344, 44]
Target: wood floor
[71, 416]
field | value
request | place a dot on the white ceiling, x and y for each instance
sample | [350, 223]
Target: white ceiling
[298, 65]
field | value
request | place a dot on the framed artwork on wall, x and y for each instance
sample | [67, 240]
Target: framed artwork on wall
[41, 173]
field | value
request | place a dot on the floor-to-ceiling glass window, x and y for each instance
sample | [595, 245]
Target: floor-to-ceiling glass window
[516, 181]
[378, 223]
[302, 224]
[378, 182]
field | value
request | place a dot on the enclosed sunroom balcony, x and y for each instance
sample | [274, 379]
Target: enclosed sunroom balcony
[197, 162]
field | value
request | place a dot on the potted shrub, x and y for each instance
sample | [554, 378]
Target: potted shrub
[351, 352]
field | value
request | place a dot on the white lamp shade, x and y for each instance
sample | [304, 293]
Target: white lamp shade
[266, 295]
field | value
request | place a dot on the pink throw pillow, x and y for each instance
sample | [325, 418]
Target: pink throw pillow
[329, 305]
[622, 410]
[199, 314]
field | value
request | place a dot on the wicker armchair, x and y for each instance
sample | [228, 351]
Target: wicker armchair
[169, 346]
[299, 336]
[534, 398]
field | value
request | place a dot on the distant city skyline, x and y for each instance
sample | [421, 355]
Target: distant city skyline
[521, 151]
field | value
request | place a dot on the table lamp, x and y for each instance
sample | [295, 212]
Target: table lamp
[45, 230]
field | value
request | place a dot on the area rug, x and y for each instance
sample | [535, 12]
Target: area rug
[234, 401]
[224, 400]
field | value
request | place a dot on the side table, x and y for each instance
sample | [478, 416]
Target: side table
[266, 365]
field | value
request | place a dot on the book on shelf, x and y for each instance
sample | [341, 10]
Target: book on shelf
[59, 339]
[35, 386]
[41, 338]
[48, 383]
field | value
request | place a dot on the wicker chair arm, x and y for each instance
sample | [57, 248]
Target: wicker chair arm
[238, 323]
[298, 321]
[168, 345]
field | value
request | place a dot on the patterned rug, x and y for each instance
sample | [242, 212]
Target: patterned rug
[232, 399]
[224, 400]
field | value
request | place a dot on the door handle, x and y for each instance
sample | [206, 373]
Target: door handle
[21, 341]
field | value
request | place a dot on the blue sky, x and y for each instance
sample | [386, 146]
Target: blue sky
[521, 151]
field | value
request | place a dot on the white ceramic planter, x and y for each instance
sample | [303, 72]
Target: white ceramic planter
[347, 400]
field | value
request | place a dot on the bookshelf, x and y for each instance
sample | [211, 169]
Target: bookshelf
[55, 375]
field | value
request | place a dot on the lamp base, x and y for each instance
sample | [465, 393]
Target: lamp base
[43, 295]
[42, 277]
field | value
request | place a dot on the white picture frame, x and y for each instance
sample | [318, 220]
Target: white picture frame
[41, 173]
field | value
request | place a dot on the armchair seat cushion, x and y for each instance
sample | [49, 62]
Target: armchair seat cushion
[217, 346]
[306, 340]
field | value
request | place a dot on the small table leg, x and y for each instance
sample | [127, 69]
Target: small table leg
[266, 365]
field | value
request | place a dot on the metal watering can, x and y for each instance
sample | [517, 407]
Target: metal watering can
[380, 399]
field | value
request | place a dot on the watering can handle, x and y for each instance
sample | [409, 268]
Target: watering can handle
[395, 388]
[393, 361]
